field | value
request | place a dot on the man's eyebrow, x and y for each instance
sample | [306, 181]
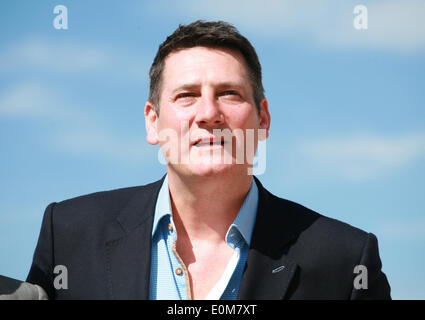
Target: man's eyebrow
[229, 85]
[221, 85]
[186, 86]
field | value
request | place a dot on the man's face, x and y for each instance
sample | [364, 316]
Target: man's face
[205, 90]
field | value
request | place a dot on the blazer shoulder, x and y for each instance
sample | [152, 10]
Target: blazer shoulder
[312, 227]
[330, 229]
[103, 205]
[326, 232]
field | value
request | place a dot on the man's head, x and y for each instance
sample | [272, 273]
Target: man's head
[206, 34]
[206, 81]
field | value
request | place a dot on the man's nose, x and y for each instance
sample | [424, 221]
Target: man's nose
[208, 112]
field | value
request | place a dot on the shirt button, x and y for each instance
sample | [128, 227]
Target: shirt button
[170, 227]
[179, 271]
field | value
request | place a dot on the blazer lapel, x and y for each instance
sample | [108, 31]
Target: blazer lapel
[266, 278]
[128, 248]
[269, 269]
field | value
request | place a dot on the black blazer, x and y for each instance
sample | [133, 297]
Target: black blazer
[104, 241]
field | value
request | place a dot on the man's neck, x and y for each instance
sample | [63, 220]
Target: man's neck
[204, 207]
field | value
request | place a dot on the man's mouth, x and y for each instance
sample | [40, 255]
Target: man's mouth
[209, 142]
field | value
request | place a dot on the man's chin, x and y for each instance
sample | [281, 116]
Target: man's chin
[208, 169]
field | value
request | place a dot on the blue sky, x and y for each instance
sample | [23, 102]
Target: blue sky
[347, 134]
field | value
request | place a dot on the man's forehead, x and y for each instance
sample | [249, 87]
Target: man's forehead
[189, 61]
[217, 50]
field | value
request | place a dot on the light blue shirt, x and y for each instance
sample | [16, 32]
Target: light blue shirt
[165, 282]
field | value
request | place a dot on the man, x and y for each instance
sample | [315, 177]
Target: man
[208, 229]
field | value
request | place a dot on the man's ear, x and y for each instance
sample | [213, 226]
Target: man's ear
[264, 118]
[151, 123]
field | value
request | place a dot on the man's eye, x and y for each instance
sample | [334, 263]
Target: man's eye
[230, 96]
[186, 98]
[229, 92]
[185, 95]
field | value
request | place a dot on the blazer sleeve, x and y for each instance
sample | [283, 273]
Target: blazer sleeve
[377, 287]
[41, 272]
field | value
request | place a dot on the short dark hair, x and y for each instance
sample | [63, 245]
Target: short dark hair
[213, 34]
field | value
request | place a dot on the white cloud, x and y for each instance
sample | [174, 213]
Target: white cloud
[393, 24]
[36, 100]
[407, 229]
[107, 144]
[77, 130]
[361, 157]
[27, 99]
[61, 57]
[72, 58]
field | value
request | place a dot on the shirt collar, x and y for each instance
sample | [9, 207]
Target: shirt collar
[163, 205]
[244, 221]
